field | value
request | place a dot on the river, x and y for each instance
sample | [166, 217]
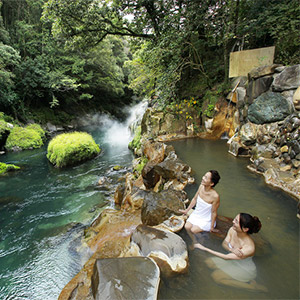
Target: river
[43, 212]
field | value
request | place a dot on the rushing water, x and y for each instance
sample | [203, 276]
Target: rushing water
[43, 212]
[240, 191]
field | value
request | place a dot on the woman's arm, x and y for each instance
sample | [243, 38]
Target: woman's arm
[192, 204]
[226, 241]
[214, 209]
[229, 256]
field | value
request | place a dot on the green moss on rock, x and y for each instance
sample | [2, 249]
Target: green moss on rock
[39, 129]
[7, 167]
[136, 142]
[71, 148]
[23, 138]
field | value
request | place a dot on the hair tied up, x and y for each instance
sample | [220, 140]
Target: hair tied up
[257, 224]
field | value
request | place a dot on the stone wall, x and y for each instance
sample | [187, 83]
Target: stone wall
[268, 105]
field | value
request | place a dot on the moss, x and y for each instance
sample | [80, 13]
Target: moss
[71, 148]
[39, 129]
[140, 166]
[7, 167]
[23, 138]
[136, 142]
[117, 168]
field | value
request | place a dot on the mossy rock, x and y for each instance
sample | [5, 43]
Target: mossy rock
[71, 148]
[136, 142]
[24, 138]
[4, 168]
[39, 129]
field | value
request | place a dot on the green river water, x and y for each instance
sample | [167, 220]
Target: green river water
[43, 212]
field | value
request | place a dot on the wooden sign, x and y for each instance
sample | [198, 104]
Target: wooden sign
[242, 62]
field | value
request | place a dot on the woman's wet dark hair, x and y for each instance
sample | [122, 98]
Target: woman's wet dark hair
[215, 177]
[247, 221]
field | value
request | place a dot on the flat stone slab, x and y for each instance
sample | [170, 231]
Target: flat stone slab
[125, 278]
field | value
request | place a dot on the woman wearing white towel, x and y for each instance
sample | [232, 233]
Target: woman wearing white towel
[236, 268]
[207, 201]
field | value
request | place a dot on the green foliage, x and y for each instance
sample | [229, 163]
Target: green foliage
[4, 168]
[140, 166]
[24, 138]
[71, 148]
[9, 59]
[210, 99]
[136, 142]
[37, 128]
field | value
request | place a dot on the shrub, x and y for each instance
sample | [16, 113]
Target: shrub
[71, 148]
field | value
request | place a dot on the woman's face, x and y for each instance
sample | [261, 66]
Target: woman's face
[236, 224]
[206, 179]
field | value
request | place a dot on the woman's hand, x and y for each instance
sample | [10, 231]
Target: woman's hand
[199, 246]
[184, 211]
[237, 251]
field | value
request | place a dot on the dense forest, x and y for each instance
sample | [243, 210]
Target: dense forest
[58, 57]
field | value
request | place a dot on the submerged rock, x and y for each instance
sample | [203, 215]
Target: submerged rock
[125, 278]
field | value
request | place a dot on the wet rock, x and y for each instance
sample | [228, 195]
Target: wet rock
[172, 224]
[296, 99]
[284, 149]
[154, 151]
[258, 87]
[150, 176]
[288, 79]
[236, 148]
[119, 194]
[125, 278]
[269, 107]
[296, 163]
[158, 207]
[248, 133]
[167, 249]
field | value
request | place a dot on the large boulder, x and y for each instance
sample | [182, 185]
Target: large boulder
[167, 249]
[22, 138]
[169, 172]
[125, 278]
[269, 107]
[158, 207]
[288, 79]
[71, 148]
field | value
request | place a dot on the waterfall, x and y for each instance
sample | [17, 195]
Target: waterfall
[116, 133]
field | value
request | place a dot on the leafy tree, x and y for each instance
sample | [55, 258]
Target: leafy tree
[9, 58]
